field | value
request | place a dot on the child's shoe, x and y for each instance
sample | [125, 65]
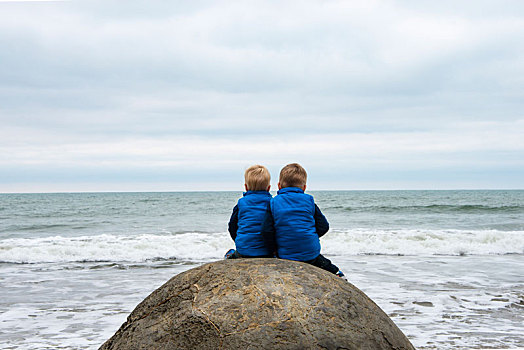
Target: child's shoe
[230, 254]
[341, 275]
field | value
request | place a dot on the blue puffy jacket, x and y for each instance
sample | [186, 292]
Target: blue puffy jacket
[246, 223]
[294, 218]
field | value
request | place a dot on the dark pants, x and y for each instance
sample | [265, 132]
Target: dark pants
[237, 255]
[324, 263]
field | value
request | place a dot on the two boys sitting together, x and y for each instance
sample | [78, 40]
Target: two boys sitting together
[287, 226]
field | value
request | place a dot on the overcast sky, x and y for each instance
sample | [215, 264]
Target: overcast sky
[185, 95]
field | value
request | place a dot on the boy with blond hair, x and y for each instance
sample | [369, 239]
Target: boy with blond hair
[248, 215]
[294, 223]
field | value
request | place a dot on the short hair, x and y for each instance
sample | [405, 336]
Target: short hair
[293, 175]
[257, 178]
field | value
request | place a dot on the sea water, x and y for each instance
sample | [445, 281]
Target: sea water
[446, 266]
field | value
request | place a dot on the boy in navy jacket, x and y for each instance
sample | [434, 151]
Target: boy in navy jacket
[294, 223]
[248, 215]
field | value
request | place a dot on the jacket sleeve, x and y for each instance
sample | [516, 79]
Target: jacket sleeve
[268, 231]
[321, 223]
[233, 223]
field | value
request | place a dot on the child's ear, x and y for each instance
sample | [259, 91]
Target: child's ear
[245, 185]
[279, 186]
[304, 188]
[268, 188]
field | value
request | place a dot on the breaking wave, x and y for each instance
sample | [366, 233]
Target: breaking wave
[198, 246]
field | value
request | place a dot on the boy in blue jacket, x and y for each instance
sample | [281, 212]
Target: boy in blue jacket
[294, 223]
[248, 215]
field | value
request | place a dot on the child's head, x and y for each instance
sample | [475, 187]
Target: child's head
[257, 178]
[293, 175]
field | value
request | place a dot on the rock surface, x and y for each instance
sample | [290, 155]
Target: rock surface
[257, 304]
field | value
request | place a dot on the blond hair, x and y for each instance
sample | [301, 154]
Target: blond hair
[257, 178]
[293, 175]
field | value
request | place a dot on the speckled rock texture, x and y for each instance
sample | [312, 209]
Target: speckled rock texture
[257, 304]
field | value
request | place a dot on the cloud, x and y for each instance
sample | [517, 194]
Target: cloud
[378, 85]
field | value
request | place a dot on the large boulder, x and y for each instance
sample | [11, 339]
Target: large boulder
[257, 304]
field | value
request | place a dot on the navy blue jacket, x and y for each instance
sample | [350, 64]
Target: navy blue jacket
[246, 223]
[293, 225]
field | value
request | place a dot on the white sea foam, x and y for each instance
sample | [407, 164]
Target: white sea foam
[206, 246]
[423, 242]
[188, 246]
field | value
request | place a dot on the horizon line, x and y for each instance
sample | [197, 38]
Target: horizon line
[316, 190]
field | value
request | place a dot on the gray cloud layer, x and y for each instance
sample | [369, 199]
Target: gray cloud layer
[152, 95]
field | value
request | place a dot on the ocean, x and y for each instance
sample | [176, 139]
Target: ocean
[446, 266]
